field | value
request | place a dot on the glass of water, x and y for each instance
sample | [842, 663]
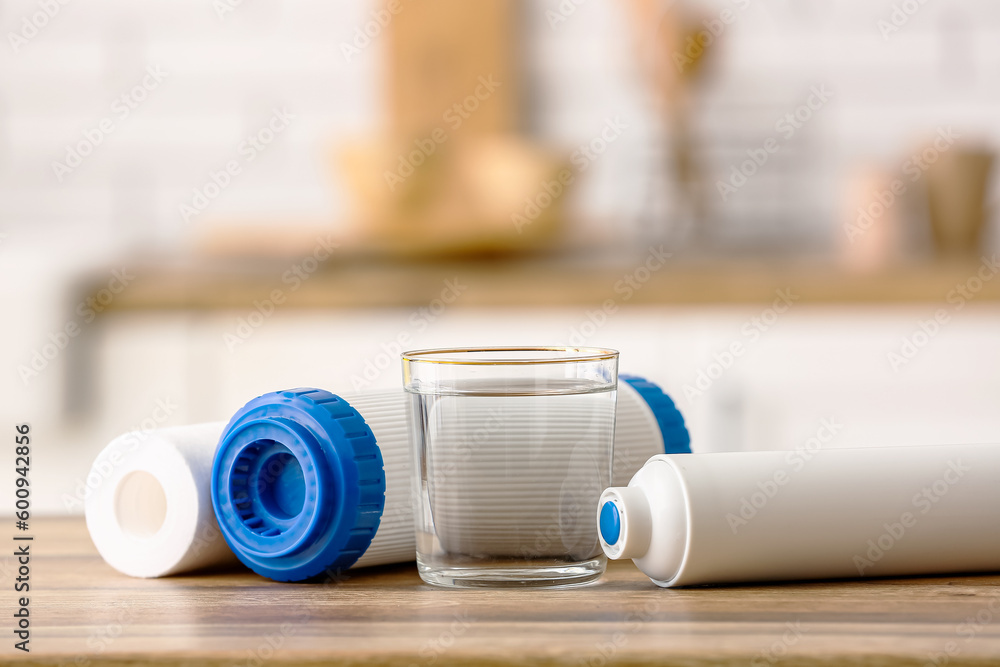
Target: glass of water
[512, 448]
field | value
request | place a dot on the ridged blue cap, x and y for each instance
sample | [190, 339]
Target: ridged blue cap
[676, 439]
[298, 486]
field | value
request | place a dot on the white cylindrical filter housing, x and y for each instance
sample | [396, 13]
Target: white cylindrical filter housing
[385, 413]
[518, 476]
[839, 513]
[159, 520]
[150, 513]
[647, 423]
[545, 509]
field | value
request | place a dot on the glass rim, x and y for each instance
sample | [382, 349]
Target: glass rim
[450, 355]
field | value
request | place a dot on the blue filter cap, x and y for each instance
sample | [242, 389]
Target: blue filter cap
[610, 523]
[676, 439]
[298, 485]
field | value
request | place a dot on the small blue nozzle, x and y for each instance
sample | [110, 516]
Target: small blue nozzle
[297, 484]
[611, 525]
[676, 439]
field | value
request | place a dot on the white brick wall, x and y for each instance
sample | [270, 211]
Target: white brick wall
[224, 77]
[226, 74]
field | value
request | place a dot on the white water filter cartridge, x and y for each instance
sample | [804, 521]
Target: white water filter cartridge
[478, 508]
[841, 513]
[150, 511]
[149, 508]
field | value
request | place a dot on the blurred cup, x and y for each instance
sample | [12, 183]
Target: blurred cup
[872, 222]
[956, 198]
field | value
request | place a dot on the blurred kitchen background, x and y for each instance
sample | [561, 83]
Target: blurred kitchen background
[783, 211]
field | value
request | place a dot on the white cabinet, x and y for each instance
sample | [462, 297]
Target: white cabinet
[812, 364]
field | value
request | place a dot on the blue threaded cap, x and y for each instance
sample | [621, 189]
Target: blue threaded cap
[676, 439]
[298, 485]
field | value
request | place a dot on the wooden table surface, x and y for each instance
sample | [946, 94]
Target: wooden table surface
[84, 613]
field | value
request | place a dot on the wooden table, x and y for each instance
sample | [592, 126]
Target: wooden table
[84, 613]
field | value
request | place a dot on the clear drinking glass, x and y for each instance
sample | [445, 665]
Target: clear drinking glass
[512, 449]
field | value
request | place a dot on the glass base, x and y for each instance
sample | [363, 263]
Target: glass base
[514, 574]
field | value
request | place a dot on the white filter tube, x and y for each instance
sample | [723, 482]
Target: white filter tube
[761, 516]
[385, 414]
[472, 452]
[152, 514]
[519, 475]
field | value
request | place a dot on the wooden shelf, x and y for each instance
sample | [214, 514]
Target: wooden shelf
[363, 284]
[83, 612]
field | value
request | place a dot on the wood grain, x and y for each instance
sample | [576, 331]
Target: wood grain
[85, 613]
[364, 284]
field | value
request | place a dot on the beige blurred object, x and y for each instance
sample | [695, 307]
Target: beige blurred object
[673, 63]
[436, 53]
[658, 36]
[872, 226]
[956, 185]
[282, 239]
[483, 194]
[451, 174]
